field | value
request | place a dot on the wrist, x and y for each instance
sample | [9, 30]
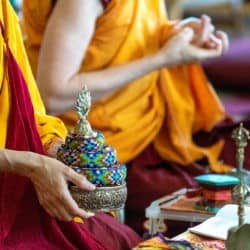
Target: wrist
[18, 162]
[159, 61]
[27, 164]
[162, 60]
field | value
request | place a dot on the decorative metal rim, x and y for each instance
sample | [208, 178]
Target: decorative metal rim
[108, 198]
[75, 188]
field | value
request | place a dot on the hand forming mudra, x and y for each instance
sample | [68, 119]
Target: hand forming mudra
[193, 40]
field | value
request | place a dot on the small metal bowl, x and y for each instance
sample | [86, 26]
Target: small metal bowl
[103, 199]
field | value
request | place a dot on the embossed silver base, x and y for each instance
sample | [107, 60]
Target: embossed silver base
[103, 199]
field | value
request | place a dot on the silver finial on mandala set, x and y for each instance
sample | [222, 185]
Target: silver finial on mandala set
[83, 105]
[241, 137]
[240, 234]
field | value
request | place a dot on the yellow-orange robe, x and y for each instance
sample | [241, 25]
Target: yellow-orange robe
[165, 108]
[48, 127]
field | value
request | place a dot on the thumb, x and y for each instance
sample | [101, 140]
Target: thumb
[202, 53]
[80, 180]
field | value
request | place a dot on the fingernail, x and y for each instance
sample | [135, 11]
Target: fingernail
[91, 186]
[90, 214]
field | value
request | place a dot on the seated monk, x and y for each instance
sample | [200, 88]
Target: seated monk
[37, 209]
[150, 97]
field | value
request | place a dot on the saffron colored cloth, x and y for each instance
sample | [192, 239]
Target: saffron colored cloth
[24, 223]
[164, 108]
[48, 127]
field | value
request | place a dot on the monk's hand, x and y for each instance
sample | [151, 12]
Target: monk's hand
[204, 33]
[179, 50]
[50, 178]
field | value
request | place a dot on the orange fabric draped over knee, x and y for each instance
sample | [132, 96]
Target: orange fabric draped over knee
[165, 107]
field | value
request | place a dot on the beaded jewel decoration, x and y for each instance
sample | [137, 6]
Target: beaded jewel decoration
[85, 150]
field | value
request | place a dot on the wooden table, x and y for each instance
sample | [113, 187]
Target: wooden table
[172, 207]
